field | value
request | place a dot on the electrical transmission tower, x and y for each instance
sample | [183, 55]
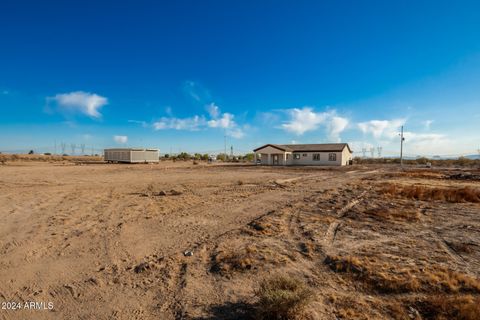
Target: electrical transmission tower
[379, 151]
[231, 152]
[73, 146]
[364, 151]
[82, 147]
[372, 152]
[63, 146]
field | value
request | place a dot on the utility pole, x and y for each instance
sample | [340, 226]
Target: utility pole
[364, 150]
[401, 147]
[225, 145]
[379, 151]
[372, 152]
[231, 152]
[55, 148]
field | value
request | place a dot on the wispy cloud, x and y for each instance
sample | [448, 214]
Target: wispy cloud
[192, 124]
[144, 124]
[5, 92]
[196, 91]
[120, 139]
[427, 124]
[213, 110]
[216, 119]
[79, 101]
[381, 128]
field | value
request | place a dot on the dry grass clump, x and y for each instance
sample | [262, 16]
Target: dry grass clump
[245, 259]
[444, 280]
[283, 298]
[389, 278]
[445, 307]
[424, 193]
[353, 307]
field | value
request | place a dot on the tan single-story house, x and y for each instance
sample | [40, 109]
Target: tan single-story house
[325, 154]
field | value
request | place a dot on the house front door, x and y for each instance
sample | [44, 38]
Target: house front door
[275, 159]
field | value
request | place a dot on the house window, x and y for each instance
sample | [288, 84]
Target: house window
[296, 156]
[332, 157]
[316, 156]
[304, 155]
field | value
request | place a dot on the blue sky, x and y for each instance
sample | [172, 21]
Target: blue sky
[179, 75]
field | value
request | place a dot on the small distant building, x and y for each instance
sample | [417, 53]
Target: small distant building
[131, 155]
[325, 154]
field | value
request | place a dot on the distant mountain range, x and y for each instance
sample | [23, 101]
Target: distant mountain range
[473, 156]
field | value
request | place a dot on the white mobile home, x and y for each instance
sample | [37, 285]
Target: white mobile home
[131, 155]
[326, 154]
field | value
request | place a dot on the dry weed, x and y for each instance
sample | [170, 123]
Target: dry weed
[424, 193]
[445, 307]
[386, 277]
[246, 258]
[282, 297]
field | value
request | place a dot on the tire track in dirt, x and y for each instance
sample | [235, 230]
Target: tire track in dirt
[329, 237]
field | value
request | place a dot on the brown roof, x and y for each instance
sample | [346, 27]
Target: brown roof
[319, 147]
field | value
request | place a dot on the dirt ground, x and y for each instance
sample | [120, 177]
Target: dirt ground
[184, 241]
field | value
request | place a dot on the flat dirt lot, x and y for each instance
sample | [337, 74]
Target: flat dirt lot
[109, 241]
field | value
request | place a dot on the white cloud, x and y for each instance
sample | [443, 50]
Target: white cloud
[335, 126]
[120, 139]
[382, 128]
[306, 119]
[79, 101]
[5, 92]
[236, 133]
[226, 121]
[303, 120]
[197, 122]
[194, 123]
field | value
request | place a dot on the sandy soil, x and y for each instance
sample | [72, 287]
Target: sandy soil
[109, 241]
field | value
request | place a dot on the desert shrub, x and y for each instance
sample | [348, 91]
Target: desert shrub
[282, 297]
[424, 193]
